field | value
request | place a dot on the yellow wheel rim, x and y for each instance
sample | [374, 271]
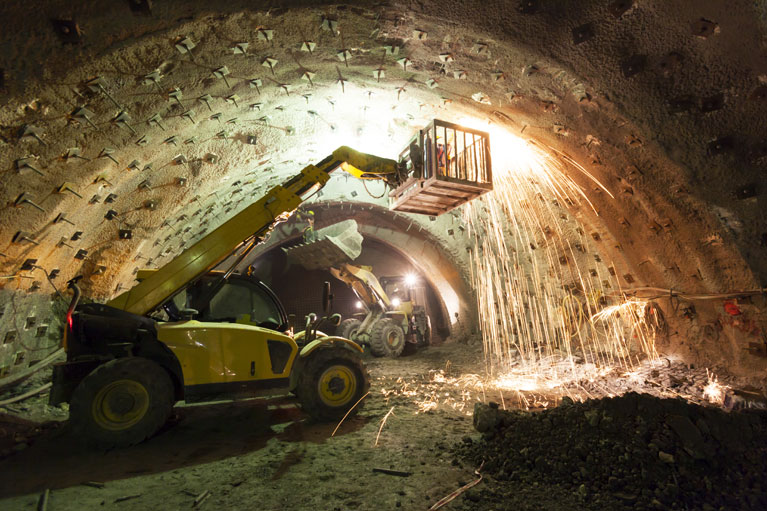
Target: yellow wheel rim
[120, 405]
[337, 385]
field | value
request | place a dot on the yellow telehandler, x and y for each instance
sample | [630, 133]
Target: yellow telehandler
[188, 331]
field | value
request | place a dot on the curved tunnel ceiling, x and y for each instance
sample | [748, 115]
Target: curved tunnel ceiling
[133, 128]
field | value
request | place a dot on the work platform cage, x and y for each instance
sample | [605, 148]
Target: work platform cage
[448, 165]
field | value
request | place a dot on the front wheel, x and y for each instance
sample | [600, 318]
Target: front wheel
[121, 403]
[331, 382]
[348, 329]
[387, 339]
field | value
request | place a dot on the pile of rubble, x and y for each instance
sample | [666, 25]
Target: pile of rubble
[630, 452]
[25, 413]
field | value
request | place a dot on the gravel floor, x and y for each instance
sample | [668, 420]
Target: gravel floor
[641, 452]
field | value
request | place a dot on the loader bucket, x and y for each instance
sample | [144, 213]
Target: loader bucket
[333, 245]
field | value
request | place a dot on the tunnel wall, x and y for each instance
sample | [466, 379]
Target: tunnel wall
[662, 102]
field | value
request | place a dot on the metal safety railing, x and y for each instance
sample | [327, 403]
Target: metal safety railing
[457, 152]
[447, 165]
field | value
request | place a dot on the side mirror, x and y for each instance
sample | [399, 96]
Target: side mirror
[327, 298]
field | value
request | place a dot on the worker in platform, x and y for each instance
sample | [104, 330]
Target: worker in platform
[444, 155]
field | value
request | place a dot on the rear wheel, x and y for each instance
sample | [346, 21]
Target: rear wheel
[349, 328]
[122, 402]
[387, 339]
[331, 382]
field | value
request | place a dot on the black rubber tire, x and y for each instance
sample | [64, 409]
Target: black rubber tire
[153, 378]
[348, 328]
[424, 339]
[327, 359]
[387, 339]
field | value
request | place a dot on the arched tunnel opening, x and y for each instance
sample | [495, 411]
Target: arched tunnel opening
[301, 289]
[568, 194]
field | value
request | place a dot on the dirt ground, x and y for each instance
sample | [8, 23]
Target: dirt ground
[260, 451]
[267, 452]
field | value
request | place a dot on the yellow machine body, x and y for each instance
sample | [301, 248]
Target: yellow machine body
[368, 288]
[220, 353]
[208, 353]
[406, 307]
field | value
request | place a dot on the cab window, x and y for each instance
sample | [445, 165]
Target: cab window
[237, 299]
[231, 301]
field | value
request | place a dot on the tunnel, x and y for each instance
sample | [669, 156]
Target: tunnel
[595, 307]
[291, 281]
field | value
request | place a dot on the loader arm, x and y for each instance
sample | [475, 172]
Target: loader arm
[364, 284]
[255, 221]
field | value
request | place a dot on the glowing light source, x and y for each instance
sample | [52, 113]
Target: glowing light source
[395, 302]
[411, 279]
[714, 391]
[369, 125]
[359, 304]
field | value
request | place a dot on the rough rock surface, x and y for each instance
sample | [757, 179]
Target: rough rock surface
[630, 452]
[663, 102]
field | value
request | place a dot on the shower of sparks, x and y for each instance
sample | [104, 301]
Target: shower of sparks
[634, 313]
[548, 383]
[714, 392]
[542, 300]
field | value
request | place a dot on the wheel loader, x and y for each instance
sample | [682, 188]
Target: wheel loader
[388, 323]
[191, 331]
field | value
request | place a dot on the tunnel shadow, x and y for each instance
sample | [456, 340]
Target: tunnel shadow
[194, 435]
